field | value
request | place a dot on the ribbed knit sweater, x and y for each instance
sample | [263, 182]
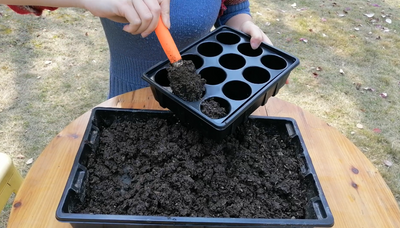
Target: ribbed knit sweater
[132, 55]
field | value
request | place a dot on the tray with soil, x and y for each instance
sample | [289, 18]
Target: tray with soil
[235, 78]
[141, 168]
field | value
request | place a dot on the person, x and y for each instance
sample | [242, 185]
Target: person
[129, 26]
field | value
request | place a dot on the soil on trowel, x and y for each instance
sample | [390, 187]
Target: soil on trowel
[161, 168]
[185, 82]
[213, 109]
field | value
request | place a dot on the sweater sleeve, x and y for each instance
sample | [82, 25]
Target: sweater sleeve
[233, 10]
[36, 10]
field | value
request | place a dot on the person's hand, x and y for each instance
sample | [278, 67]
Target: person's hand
[142, 15]
[257, 35]
[244, 23]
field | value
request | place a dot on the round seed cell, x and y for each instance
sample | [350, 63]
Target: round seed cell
[215, 107]
[232, 61]
[236, 90]
[274, 62]
[161, 78]
[256, 75]
[213, 75]
[228, 38]
[247, 50]
[197, 60]
[210, 49]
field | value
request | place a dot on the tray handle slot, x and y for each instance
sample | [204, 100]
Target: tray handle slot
[79, 182]
[290, 130]
[318, 208]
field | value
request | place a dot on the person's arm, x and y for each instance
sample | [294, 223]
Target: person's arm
[142, 15]
[51, 3]
[36, 10]
[237, 15]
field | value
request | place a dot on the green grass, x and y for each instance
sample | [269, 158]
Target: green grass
[37, 100]
[368, 57]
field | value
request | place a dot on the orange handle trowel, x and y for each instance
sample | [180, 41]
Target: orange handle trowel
[184, 81]
[168, 44]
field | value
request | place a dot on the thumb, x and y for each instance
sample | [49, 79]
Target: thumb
[165, 9]
[255, 43]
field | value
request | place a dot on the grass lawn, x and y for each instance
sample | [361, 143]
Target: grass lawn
[55, 67]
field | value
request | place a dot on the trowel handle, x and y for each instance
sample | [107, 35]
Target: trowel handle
[167, 43]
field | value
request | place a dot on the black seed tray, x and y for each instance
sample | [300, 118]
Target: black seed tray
[317, 210]
[239, 78]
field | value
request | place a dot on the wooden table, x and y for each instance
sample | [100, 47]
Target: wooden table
[356, 192]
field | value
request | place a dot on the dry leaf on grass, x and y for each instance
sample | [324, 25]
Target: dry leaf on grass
[377, 130]
[369, 89]
[30, 161]
[388, 163]
[369, 15]
[304, 40]
[358, 85]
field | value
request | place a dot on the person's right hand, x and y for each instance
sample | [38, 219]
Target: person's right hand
[142, 15]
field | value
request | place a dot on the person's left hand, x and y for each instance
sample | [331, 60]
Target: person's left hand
[257, 35]
[244, 23]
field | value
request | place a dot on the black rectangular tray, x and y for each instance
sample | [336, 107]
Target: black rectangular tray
[318, 213]
[239, 78]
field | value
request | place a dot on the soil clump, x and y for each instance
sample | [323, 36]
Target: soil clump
[213, 109]
[159, 167]
[185, 82]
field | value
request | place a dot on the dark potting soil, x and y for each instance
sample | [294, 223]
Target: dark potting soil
[161, 168]
[213, 109]
[185, 82]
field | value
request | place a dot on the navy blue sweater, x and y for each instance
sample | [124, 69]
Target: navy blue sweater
[132, 55]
